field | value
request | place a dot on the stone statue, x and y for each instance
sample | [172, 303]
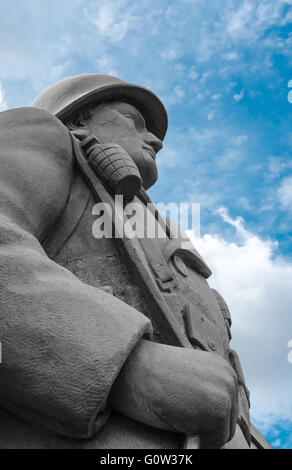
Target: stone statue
[106, 342]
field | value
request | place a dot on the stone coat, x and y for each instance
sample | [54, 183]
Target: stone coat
[71, 308]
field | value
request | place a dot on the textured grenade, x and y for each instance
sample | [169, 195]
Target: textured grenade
[113, 165]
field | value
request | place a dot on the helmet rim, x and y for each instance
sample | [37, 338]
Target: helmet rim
[64, 105]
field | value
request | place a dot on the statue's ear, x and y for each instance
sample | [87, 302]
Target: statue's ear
[79, 128]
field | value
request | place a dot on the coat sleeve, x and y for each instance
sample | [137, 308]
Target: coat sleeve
[63, 341]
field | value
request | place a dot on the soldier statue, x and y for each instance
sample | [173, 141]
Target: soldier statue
[109, 342]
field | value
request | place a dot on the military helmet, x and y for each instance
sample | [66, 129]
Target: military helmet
[72, 94]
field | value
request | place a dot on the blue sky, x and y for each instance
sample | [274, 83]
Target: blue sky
[222, 69]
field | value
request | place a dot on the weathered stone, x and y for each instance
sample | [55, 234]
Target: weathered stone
[117, 342]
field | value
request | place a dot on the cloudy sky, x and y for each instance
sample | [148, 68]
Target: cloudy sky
[222, 68]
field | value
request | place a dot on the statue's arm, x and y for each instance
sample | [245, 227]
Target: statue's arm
[63, 342]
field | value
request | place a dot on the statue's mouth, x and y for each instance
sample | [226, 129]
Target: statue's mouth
[151, 151]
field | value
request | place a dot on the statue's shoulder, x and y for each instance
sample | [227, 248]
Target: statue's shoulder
[36, 167]
[36, 161]
[32, 130]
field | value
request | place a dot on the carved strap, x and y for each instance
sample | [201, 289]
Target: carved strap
[164, 317]
[131, 248]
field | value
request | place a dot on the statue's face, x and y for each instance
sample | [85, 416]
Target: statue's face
[122, 124]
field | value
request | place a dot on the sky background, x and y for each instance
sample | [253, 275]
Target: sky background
[222, 69]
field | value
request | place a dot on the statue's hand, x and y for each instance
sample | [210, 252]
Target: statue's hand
[182, 390]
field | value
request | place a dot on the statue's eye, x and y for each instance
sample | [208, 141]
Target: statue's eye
[137, 120]
[131, 117]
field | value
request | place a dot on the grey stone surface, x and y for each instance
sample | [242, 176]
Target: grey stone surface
[107, 343]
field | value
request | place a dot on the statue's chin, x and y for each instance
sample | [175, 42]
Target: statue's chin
[151, 180]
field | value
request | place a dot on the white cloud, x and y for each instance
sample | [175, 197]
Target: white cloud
[244, 202]
[105, 64]
[58, 71]
[230, 56]
[204, 136]
[193, 75]
[180, 67]
[240, 139]
[177, 96]
[276, 443]
[211, 115]
[200, 97]
[168, 157]
[285, 193]
[237, 24]
[257, 285]
[191, 1]
[3, 103]
[113, 20]
[172, 52]
[277, 166]
[238, 97]
[179, 92]
[216, 96]
[205, 76]
[252, 18]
